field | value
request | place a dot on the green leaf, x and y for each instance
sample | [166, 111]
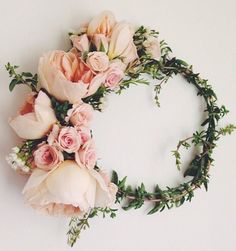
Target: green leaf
[102, 48]
[121, 183]
[114, 177]
[155, 209]
[193, 167]
[181, 62]
[27, 74]
[12, 84]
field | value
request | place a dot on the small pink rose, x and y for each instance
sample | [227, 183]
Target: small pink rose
[87, 155]
[114, 75]
[101, 42]
[69, 140]
[80, 114]
[98, 61]
[84, 132]
[80, 42]
[47, 157]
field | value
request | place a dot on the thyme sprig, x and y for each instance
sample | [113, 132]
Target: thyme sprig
[77, 224]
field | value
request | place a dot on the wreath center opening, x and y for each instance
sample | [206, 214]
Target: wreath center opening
[135, 137]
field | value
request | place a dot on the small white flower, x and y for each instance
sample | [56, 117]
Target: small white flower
[25, 169]
[13, 156]
[101, 107]
[15, 149]
[20, 162]
[9, 160]
[14, 166]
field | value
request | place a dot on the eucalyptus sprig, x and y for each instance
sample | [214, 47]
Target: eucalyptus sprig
[24, 78]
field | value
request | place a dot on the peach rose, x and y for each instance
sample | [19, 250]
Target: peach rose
[102, 24]
[121, 44]
[65, 76]
[98, 61]
[81, 42]
[69, 140]
[102, 175]
[68, 189]
[47, 157]
[101, 42]
[35, 118]
[153, 48]
[86, 156]
[80, 114]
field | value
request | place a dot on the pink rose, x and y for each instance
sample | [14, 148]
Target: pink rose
[80, 114]
[86, 156]
[65, 76]
[80, 42]
[114, 75]
[101, 42]
[69, 140]
[47, 157]
[84, 132]
[98, 61]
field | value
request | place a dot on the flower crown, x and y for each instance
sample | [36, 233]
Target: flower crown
[58, 151]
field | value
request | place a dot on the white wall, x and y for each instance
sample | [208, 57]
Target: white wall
[132, 135]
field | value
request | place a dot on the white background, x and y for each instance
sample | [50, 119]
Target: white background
[133, 136]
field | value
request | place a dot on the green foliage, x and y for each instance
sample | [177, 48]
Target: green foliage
[77, 224]
[96, 99]
[60, 109]
[227, 130]
[125, 84]
[204, 140]
[26, 150]
[25, 78]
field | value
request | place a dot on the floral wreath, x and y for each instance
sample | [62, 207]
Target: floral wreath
[58, 150]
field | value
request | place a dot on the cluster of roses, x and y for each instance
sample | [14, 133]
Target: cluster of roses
[60, 156]
[63, 177]
[100, 55]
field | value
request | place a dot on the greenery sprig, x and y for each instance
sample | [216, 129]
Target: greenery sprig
[24, 78]
[205, 140]
[78, 224]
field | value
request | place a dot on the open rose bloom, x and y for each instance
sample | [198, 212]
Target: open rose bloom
[58, 152]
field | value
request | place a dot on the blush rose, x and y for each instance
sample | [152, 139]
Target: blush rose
[47, 157]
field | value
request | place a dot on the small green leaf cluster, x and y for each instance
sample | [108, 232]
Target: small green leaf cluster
[24, 78]
[95, 100]
[77, 224]
[60, 109]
